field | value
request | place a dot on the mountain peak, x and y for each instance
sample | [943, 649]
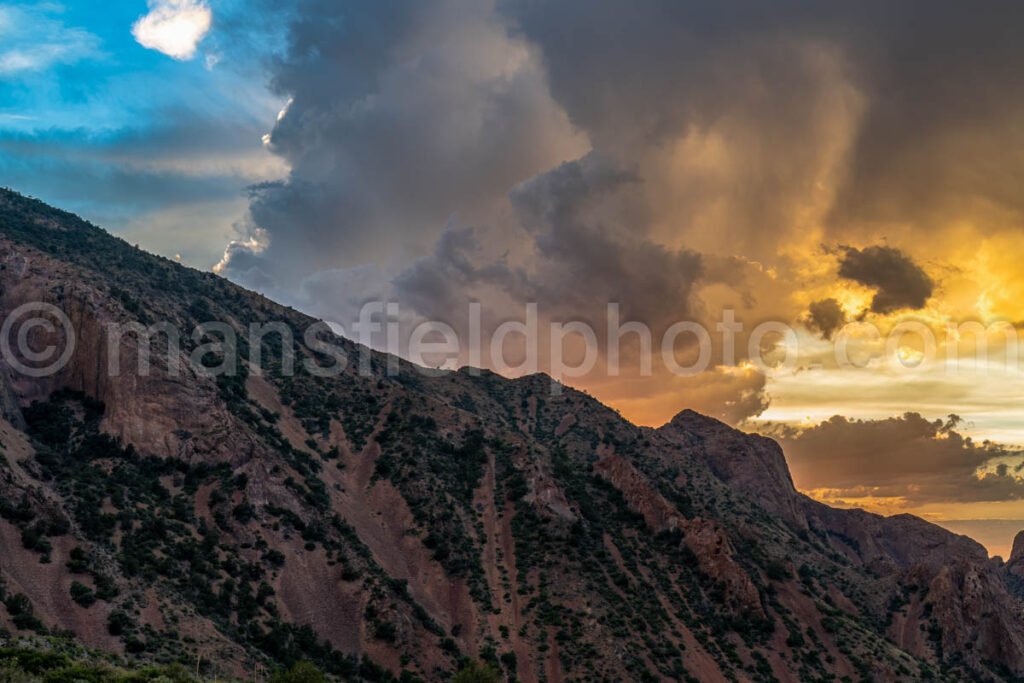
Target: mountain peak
[748, 462]
[1017, 552]
[684, 414]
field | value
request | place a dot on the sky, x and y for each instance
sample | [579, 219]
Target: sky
[847, 173]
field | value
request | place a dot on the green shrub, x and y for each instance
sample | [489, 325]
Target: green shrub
[475, 672]
[12, 673]
[776, 570]
[119, 623]
[78, 562]
[303, 672]
[386, 631]
[82, 594]
[22, 614]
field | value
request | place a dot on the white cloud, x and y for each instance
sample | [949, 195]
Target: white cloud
[174, 27]
[32, 40]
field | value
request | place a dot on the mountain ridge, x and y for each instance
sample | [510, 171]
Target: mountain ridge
[388, 526]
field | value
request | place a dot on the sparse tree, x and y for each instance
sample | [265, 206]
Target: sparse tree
[475, 672]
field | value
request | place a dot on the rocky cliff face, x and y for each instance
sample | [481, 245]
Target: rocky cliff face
[387, 526]
[751, 464]
[1017, 551]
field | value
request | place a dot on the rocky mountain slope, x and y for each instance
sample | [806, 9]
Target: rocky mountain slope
[385, 525]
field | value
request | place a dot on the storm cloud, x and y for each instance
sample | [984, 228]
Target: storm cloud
[675, 158]
[907, 457]
[825, 317]
[401, 116]
[924, 83]
[898, 281]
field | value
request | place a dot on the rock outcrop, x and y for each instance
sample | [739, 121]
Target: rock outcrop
[749, 463]
[1017, 551]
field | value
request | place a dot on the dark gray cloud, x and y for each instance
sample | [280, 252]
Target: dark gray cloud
[406, 116]
[900, 283]
[938, 140]
[638, 72]
[440, 286]
[575, 153]
[906, 457]
[578, 264]
[585, 262]
[402, 115]
[741, 397]
[825, 317]
[939, 80]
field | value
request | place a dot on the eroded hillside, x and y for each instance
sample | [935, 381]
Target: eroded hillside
[386, 524]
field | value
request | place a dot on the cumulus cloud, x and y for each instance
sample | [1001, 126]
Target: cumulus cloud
[733, 395]
[906, 457]
[402, 118]
[898, 281]
[573, 270]
[929, 89]
[585, 259]
[825, 317]
[174, 27]
[465, 151]
[438, 286]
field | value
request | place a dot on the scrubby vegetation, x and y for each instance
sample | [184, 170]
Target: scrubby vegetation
[142, 511]
[506, 497]
[438, 479]
[59, 661]
[476, 672]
